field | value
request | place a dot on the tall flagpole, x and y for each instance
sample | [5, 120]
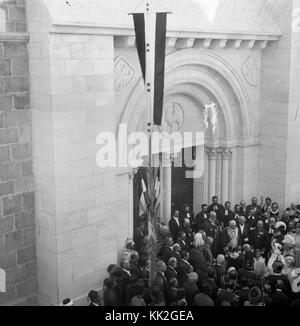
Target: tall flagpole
[150, 48]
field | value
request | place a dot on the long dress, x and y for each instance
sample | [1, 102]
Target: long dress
[297, 251]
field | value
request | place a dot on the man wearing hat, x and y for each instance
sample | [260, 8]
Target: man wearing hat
[68, 303]
[93, 299]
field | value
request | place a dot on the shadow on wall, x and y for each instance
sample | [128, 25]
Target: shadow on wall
[2, 20]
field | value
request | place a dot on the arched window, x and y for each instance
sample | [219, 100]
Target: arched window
[2, 20]
[2, 281]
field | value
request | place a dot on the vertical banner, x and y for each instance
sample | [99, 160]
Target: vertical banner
[159, 52]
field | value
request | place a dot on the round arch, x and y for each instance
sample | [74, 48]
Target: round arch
[202, 75]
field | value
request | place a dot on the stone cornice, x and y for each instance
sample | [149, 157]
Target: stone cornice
[14, 37]
[124, 37]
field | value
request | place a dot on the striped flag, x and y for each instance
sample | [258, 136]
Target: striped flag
[150, 30]
[157, 192]
[144, 199]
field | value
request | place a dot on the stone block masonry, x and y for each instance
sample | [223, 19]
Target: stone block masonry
[17, 218]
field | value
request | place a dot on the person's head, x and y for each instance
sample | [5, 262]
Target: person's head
[193, 277]
[211, 273]
[109, 283]
[93, 297]
[254, 201]
[177, 247]
[187, 223]
[181, 294]
[232, 273]
[204, 208]
[275, 206]
[170, 242]
[187, 208]
[134, 257]
[213, 216]
[215, 200]
[232, 225]
[225, 280]
[125, 264]
[237, 208]
[228, 205]
[182, 236]
[147, 265]
[209, 241]
[243, 204]
[257, 253]
[246, 248]
[161, 266]
[242, 220]
[252, 212]
[260, 225]
[221, 260]
[244, 281]
[185, 255]
[176, 214]
[141, 227]
[110, 268]
[129, 244]
[268, 201]
[173, 282]
[172, 262]
[255, 295]
[272, 221]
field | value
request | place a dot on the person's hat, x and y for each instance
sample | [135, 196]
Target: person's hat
[289, 240]
[279, 225]
[68, 303]
[255, 295]
[277, 267]
[93, 296]
[129, 242]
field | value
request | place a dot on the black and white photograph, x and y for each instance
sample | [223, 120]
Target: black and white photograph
[150, 156]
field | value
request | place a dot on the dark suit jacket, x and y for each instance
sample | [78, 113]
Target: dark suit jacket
[183, 245]
[244, 235]
[166, 253]
[183, 269]
[227, 218]
[160, 276]
[280, 299]
[200, 220]
[260, 241]
[219, 211]
[257, 212]
[170, 273]
[175, 228]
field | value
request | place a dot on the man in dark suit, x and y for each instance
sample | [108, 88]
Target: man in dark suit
[171, 269]
[260, 239]
[279, 298]
[182, 241]
[160, 276]
[228, 215]
[187, 213]
[201, 218]
[184, 267]
[217, 208]
[254, 206]
[243, 208]
[251, 221]
[166, 252]
[244, 236]
[125, 279]
[175, 225]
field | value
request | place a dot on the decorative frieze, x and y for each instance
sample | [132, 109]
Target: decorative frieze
[211, 41]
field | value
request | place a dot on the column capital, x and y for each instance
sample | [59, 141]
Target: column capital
[212, 153]
[226, 154]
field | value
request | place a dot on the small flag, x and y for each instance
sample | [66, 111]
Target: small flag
[144, 199]
[157, 201]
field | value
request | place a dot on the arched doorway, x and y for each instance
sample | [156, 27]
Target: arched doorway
[195, 78]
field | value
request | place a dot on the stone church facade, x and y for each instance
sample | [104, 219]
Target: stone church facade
[62, 218]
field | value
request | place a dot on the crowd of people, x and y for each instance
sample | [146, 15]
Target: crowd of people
[248, 256]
